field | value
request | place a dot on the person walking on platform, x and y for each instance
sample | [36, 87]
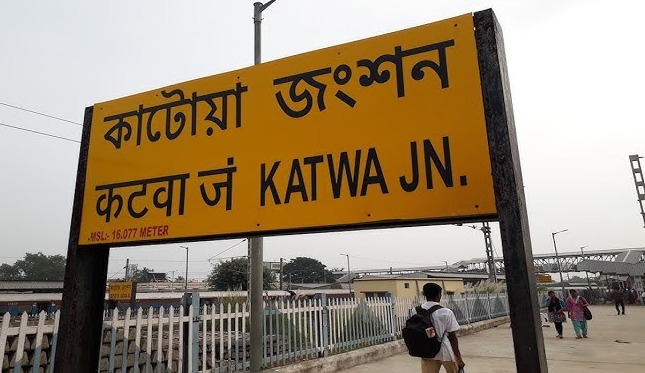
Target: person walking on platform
[556, 309]
[619, 299]
[576, 305]
[446, 326]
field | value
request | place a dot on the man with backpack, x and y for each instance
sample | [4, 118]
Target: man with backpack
[431, 333]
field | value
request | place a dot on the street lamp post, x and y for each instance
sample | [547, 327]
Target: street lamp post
[582, 251]
[186, 279]
[557, 258]
[256, 243]
[349, 275]
[172, 281]
[187, 302]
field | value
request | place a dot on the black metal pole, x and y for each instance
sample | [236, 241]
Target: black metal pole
[281, 261]
[81, 322]
[256, 243]
[186, 302]
[509, 195]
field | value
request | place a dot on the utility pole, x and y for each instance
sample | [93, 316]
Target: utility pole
[256, 243]
[127, 269]
[349, 275]
[639, 182]
[186, 279]
[490, 257]
[582, 251]
[281, 259]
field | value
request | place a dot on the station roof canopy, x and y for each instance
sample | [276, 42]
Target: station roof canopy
[615, 268]
[31, 286]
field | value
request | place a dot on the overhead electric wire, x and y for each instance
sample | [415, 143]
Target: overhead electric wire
[39, 113]
[116, 273]
[162, 261]
[214, 256]
[39, 133]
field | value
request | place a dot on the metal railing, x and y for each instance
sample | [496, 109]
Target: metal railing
[153, 339]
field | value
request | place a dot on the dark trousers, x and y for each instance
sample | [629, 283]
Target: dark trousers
[558, 327]
[620, 303]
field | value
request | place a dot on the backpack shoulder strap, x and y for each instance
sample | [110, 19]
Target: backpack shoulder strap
[423, 312]
[430, 312]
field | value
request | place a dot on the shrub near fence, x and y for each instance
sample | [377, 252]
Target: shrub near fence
[151, 340]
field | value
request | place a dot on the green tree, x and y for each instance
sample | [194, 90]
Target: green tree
[142, 275]
[233, 275]
[307, 270]
[9, 273]
[35, 267]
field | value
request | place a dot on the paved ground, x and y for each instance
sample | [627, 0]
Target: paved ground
[615, 344]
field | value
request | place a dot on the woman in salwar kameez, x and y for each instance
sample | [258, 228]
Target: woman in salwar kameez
[575, 305]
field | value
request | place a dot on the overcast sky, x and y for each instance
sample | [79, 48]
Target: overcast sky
[576, 72]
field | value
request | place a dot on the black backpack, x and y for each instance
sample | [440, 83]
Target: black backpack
[415, 337]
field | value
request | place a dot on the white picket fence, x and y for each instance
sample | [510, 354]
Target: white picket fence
[27, 346]
[152, 340]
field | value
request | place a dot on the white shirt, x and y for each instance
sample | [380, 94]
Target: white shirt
[444, 322]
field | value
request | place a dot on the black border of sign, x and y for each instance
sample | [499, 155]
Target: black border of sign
[509, 195]
[80, 329]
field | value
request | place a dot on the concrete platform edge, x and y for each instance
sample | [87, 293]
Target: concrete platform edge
[369, 354]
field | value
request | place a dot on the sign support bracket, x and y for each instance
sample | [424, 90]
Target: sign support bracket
[81, 320]
[528, 340]
[256, 244]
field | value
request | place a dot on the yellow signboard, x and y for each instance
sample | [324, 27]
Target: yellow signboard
[121, 291]
[384, 131]
[544, 279]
